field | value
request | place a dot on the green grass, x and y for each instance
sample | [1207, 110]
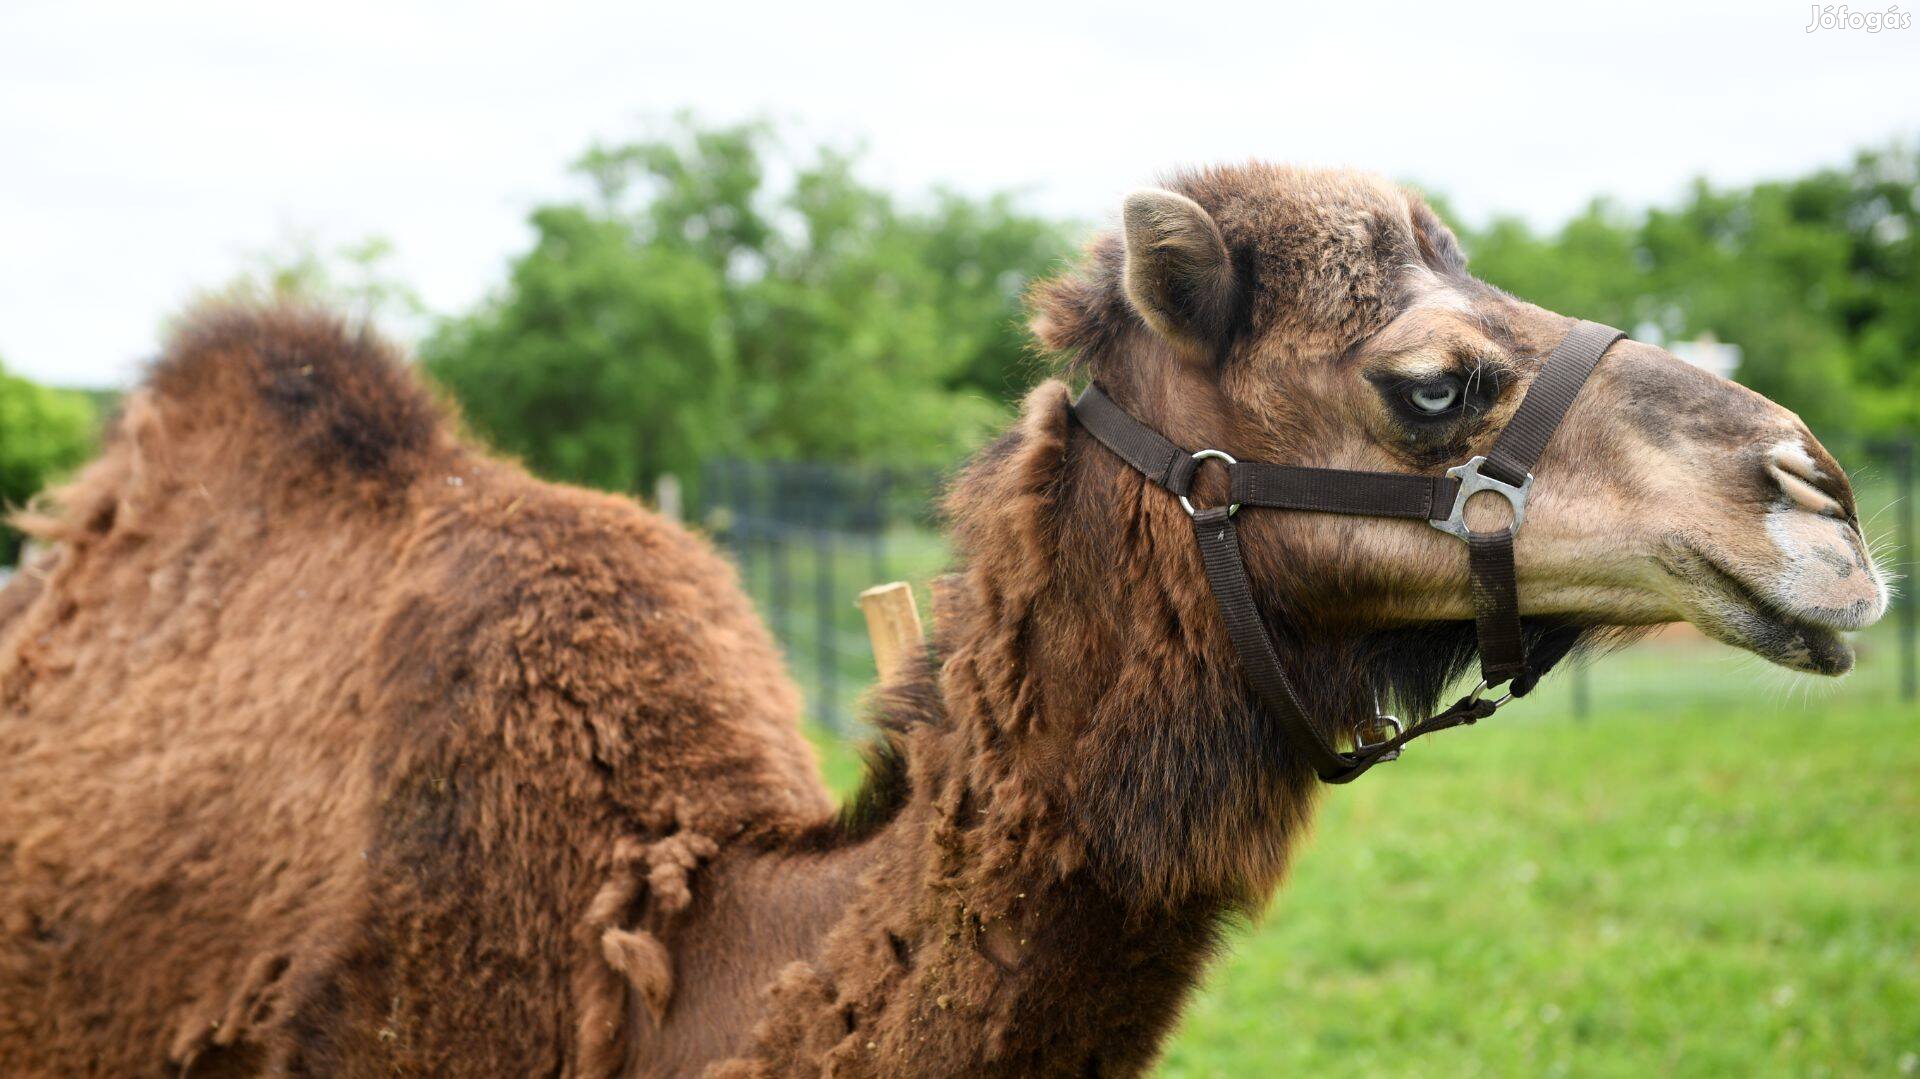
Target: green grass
[1716, 873]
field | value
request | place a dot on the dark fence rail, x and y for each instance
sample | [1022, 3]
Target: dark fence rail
[808, 537]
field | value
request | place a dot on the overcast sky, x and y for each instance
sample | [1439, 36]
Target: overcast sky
[147, 148]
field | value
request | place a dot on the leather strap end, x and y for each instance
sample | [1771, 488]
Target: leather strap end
[1180, 470]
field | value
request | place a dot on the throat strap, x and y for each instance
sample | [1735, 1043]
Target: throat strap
[1226, 569]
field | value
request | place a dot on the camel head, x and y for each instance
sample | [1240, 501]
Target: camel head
[1329, 319]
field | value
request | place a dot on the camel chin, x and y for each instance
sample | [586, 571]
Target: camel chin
[1732, 617]
[1795, 614]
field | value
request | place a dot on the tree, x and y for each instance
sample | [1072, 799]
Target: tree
[1817, 279]
[606, 364]
[43, 433]
[691, 307]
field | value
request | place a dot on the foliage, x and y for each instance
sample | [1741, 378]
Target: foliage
[43, 433]
[606, 365]
[711, 297]
[1817, 279]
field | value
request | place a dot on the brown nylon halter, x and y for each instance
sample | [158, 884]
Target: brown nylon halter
[1506, 470]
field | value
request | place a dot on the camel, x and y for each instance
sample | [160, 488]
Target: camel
[331, 745]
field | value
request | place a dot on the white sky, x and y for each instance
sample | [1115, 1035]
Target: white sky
[148, 148]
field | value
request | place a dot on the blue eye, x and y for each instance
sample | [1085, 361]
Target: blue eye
[1435, 398]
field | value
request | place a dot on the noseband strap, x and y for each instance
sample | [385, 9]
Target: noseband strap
[1506, 470]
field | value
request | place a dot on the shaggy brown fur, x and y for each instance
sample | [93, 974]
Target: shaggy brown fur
[333, 746]
[328, 744]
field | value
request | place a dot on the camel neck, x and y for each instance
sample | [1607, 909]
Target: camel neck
[1038, 901]
[959, 949]
[1080, 793]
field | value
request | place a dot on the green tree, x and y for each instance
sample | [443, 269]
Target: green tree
[1589, 266]
[693, 307]
[606, 363]
[1817, 279]
[43, 433]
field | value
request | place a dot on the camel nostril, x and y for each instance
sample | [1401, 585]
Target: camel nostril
[1800, 479]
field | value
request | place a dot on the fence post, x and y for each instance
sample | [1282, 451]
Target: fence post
[877, 537]
[893, 625]
[826, 642]
[740, 510]
[716, 492]
[1909, 615]
[779, 569]
[666, 496]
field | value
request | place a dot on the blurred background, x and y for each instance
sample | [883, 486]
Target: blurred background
[762, 267]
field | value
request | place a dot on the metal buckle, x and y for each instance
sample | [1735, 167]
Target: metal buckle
[1482, 688]
[1216, 455]
[1472, 483]
[1380, 727]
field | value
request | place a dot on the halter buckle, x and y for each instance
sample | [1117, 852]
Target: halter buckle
[1479, 694]
[1472, 482]
[1384, 729]
[1210, 455]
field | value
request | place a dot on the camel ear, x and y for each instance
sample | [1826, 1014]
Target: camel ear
[1179, 276]
[1437, 243]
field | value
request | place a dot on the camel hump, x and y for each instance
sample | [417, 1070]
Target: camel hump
[288, 393]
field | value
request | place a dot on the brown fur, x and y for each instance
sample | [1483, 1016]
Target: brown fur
[329, 744]
[325, 731]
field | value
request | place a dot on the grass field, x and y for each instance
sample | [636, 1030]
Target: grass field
[1716, 873]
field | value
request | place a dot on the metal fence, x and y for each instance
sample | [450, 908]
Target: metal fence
[809, 537]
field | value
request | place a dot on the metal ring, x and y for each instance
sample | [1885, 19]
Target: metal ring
[1360, 744]
[1216, 455]
[1482, 688]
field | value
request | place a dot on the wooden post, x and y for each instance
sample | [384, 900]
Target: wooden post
[893, 622]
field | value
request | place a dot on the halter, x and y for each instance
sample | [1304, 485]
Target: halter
[1506, 470]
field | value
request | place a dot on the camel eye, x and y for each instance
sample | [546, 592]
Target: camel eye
[1435, 398]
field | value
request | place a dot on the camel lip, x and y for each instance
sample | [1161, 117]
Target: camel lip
[1727, 608]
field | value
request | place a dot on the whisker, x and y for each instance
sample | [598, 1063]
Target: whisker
[1881, 510]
